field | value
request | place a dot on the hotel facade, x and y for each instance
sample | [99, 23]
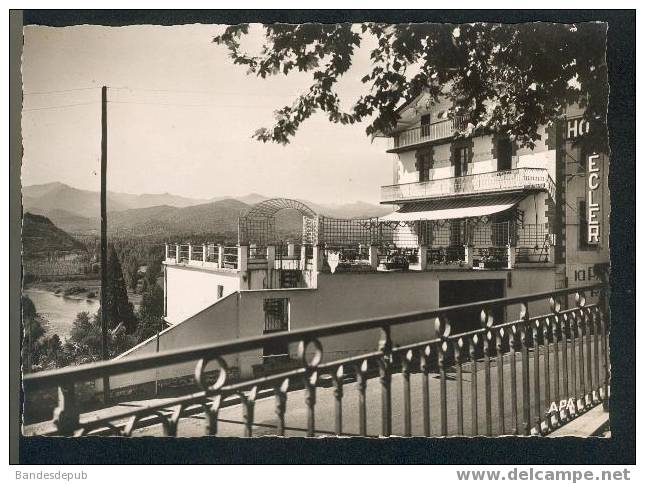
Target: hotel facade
[474, 217]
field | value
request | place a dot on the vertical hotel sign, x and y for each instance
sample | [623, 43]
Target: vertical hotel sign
[577, 128]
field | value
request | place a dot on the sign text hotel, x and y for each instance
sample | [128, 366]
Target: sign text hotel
[577, 128]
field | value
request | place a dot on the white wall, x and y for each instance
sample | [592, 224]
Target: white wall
[339, 297]
[191, 289]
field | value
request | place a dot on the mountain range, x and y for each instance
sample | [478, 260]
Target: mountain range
[77, 211]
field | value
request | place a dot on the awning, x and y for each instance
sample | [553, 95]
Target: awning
[446, 209]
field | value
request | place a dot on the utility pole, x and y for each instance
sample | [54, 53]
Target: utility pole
[104, 247]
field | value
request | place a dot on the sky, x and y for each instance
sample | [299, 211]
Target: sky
[180, 119]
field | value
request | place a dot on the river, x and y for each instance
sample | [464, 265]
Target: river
[59, 311]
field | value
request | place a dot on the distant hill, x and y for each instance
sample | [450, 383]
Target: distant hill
[86, 203]
[40, 237]
[77, 211]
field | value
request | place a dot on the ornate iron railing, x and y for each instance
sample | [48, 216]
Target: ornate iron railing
[495, 181]
[527, 362]
[430, 132]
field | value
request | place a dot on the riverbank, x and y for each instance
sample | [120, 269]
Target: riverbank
[59, 302]
[88, 289]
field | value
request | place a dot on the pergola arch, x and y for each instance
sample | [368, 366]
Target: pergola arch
[257, 226]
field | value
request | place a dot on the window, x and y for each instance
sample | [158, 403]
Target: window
[504, 154]
[220, 291]
[424, 164]
[276, 315]
[425, 125]
[462, 154]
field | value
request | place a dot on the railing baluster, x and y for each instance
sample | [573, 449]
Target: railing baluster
[537, 417]
[564, 322]
[66, 413]
[499, 362]
[526, 405]
[487, 322]
[555, 334]
[574, 363]
[460, 390]
[407, 407]
[212, 413]
[546, 335]
[281, 404]
[442, 327]
[514, 343]
[361, 381]
[580, 320]
[473, 385]
[588, 326]
[596, 328]
[603, 304]
[425, 388]
[248, 408]
[337, 378]
[311, 378]
[385, 379]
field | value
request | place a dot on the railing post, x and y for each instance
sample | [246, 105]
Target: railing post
[166, 250]
[177, 254]
[204, 252]
[473, 385]
[425, 388]
[407, 404]
[510, 256]
[220, 256]
[242, 258]
[190, 252]
[385, 379]
[303, 257]
[487, 323]
[525, 335]
[469, 252]
[499, 337]
[66, 413]
[337, 378]
[442, 327]
[374, 256]
[536, 378]
[555, 334]
[423, 257]
[281, 403]
[361, 381]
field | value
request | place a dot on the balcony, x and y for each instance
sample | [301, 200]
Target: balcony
[496, 181]
[428, 133]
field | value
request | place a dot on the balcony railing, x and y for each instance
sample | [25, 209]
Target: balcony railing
[558, 355]
[429, 132]
[495, 181]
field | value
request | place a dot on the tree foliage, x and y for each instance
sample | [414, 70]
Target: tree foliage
[508, 78]
[118, 307]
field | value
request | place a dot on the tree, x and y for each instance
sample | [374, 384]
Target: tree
[152, 304]
[84, 344]
[32, 331]
[132, 271]
[508, 78]
[118, 306]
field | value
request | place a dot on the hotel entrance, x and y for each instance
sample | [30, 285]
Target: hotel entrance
[452, 293]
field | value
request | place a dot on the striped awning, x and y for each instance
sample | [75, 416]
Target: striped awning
[445, 209]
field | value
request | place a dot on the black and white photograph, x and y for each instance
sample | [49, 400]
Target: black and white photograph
[323, 230]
